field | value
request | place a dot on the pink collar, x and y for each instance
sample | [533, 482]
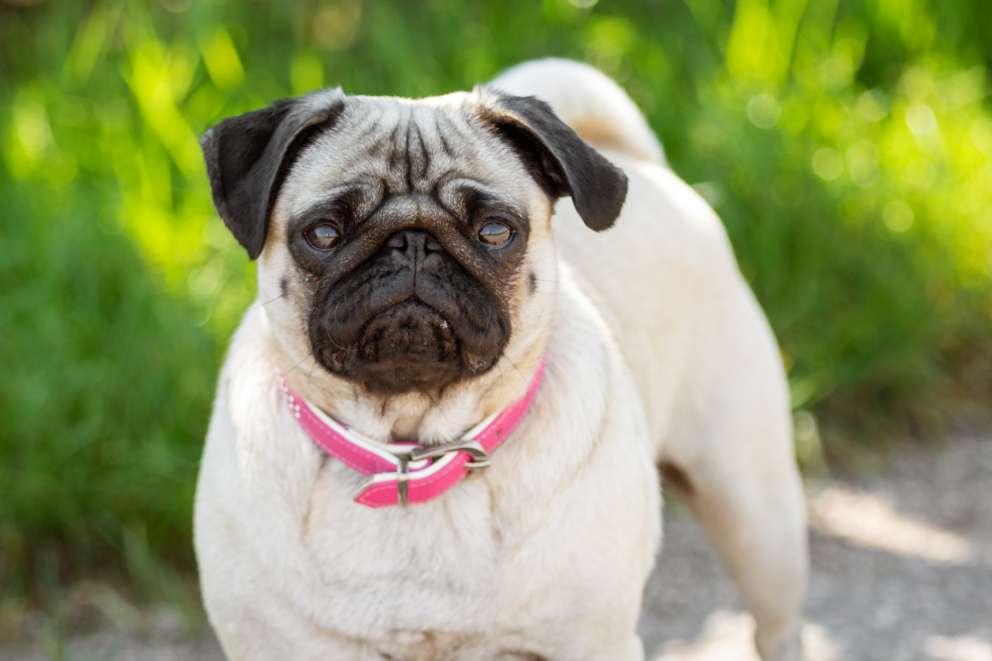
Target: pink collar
[402, 473]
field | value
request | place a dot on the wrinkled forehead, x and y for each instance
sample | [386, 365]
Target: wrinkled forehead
[404, 146]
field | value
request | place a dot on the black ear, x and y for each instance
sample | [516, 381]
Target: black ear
[557, 157]
[248, 156]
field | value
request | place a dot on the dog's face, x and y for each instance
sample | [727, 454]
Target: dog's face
[401, 243]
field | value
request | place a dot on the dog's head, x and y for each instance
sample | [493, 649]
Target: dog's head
[399, 241]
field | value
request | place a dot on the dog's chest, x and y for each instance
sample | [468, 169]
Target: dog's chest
[395, 573]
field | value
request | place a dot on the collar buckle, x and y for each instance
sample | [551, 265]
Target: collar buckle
[480, 458]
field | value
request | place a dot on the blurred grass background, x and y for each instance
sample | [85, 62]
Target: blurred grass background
[847, 145]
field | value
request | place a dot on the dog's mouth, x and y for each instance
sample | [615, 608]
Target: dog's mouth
[407, 346]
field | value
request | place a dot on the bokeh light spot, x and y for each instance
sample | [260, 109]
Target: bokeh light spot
[827, 164]
[763, 111]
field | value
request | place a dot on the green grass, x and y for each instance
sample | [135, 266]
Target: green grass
[105, 395]
[847, 146]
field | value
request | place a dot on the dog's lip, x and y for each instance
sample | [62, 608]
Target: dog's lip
[403, 353]
[412, 300]
[413, 303]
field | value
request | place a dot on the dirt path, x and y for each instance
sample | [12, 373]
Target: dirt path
[901, 570]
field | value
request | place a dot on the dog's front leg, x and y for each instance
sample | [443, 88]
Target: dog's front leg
[581, 647]
[248, 636]
[631, 649]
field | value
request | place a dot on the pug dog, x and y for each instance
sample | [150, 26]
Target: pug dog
[485, 323]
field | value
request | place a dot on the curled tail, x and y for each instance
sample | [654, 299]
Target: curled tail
[587, 100]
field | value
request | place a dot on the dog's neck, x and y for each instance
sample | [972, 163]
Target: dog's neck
[429, 418]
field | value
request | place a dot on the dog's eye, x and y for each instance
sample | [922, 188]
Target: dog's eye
[495, 234]
[322, 236]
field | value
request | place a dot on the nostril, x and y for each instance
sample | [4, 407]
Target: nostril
[397, 240]
[413, 241]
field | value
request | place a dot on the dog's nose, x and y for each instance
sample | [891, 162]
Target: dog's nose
[413, 243]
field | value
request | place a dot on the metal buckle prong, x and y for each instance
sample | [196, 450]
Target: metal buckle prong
[480, 458]
[402, 488]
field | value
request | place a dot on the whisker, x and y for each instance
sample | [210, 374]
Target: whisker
[272, 300]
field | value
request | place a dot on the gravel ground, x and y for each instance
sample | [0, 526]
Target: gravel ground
[901, 570]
